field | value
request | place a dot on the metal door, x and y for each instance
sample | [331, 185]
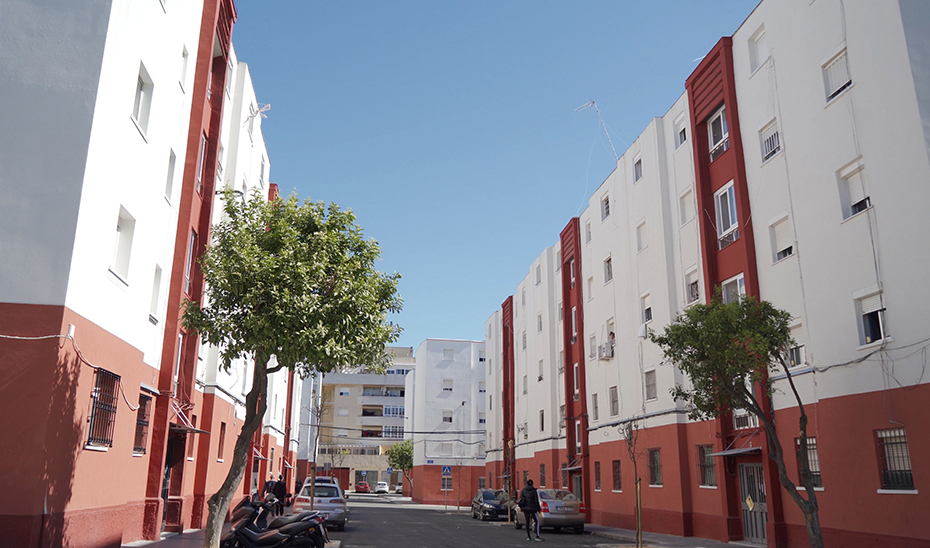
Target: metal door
[576, 484]
[755, 509]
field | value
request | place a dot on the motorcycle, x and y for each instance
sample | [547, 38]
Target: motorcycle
[251, 528]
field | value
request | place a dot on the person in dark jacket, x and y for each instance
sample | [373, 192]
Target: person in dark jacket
[529, 504]
[280, 492]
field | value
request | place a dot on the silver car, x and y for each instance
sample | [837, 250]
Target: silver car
[560, 508]
[327, 498]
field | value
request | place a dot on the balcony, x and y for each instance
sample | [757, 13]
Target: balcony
[379, 421]
[727, 239]
[743, 419]
[380, 400]
[718, 150]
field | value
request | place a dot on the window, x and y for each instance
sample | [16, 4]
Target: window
[758, 49]
[894, 459]
[614, 401]
[608, 270]
[577, 437]
[650, 382]
[156, 295]
[540, 377]
[872, 310]
[813, 461]
[482, 418]
[542, 475]
[836, 76]
[853, 193]
[538, 275]
[637, 170]
[558, 260]
[447, 354]
[341, 433]
[796, 356]
[447, 385]
[597, 476]
[717, 133]
[526, 476]
[142, 424]
[590, 288]
[561, 415]
[770, 140]
[561, 362]
[523, 297]
[185, 57]
[481, 357]
[561, 312]
[395, 432]
[542, 420]
[692, 287]
[605, 207]
[592, 346]
[125, 226]
[587, 232]
[222, 443]
[143, 101]
[733, 289]
[219, 167]
[686, 207]
[524, 384]
[169, 183]
[524, 340]
[192, 245]
[253, 113]
[571, 270]
[564, 476]
[526, 430]
[705, 464]
[261, 175]
[490, 402]
[574, 324]
[446, 484]
[782, 240]
[646, 306]
[201, 160]
[655, 467]
[447, 416]
[618, 484]
[343, 391]
[576, 382]
[594, 412]
[482, 387]
[641, 236]
[681, 131]
[230, 78]
[727, 224]
[539, 323]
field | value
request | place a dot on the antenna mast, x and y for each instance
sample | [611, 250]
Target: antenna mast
[603, 125]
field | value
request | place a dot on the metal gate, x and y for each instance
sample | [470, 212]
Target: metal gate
[755, 509]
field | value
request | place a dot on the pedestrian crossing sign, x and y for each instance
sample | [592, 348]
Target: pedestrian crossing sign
[446, 470]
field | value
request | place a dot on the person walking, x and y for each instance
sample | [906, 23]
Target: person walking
[529, 505]
[280, 492]
[268, 487]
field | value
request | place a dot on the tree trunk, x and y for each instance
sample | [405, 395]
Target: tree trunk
[256, 404]
[639, 512]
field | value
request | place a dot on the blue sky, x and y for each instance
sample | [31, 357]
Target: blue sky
[449, 127]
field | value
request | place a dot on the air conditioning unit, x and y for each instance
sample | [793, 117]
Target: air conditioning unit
[605, 352]
[642, 331]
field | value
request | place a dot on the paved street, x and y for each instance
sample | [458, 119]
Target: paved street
[389, 521]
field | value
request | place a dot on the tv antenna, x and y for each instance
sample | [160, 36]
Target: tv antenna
[593, 104]
[260, 111]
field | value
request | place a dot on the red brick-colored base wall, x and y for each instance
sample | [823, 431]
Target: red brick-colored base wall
[427, 484]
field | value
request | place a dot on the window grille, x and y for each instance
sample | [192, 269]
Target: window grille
[446, 484]
[655, 467]
[142, 424]
[705, 464]
[813, 461]
[836, 76]
[771, 142]
[564, 476]
[743, 419]
[597, 476]
[617, 483]
[605, 207]
[614, 402]
[895, 459]
[693, 292]
[103, 408]
[719, 136]
[727, 239]
[650, 382]
[542, 475]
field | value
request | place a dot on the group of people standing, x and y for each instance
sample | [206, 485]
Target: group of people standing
[279, 490]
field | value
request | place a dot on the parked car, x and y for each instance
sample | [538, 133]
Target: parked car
[382, 487]
[399, 489]
[321, 479]
[560, 508]
[489, 504]
[362, 487]
[329, 499]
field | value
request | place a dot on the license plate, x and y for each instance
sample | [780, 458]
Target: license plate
[563, 508]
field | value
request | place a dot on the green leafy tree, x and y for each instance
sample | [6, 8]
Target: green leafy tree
[400, 457]
[728, 351]
[293, 286]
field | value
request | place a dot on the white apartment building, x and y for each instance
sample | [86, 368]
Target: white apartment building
[448, 404]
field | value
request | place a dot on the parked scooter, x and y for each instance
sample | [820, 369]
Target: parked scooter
[251, 529]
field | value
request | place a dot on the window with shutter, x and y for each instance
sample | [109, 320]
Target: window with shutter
[858, 197]
[782, 240]
[836, 76]
[872, 309]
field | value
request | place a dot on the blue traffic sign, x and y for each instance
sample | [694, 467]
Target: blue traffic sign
[390, 470]
[446, 470]
[364, 473]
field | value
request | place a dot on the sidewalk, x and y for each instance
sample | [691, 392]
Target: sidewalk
[192, 538]
[628, 538]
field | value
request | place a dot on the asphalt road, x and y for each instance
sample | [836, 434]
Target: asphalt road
[387, 521]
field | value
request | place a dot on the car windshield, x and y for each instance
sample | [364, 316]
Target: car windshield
[488, 495]
[556, 494]
[322, 491]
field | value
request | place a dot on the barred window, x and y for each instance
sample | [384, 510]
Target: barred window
[446, 484]
[564, 476]
[655, 467]
[597, 476]
[894, 459]
[706, 465]
[542, 475]
[103, 408]
[813, 461]
[618, 485]
[142, 424]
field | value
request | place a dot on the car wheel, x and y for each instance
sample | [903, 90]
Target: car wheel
[516, 524]
[579, 529]
[473, 516]
[557, 529]
[485, 517]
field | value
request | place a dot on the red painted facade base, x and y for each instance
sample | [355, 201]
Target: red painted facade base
[427, 484]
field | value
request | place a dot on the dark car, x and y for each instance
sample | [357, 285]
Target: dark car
[489, 504]
[362, 487]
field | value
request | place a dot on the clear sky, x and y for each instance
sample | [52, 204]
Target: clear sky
[450, 129]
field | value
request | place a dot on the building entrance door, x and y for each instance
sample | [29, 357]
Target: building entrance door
[576, 486]
[755, 509]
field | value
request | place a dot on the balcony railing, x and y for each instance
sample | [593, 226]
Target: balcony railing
[719, 149]
[727, 239]
[742, 419]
